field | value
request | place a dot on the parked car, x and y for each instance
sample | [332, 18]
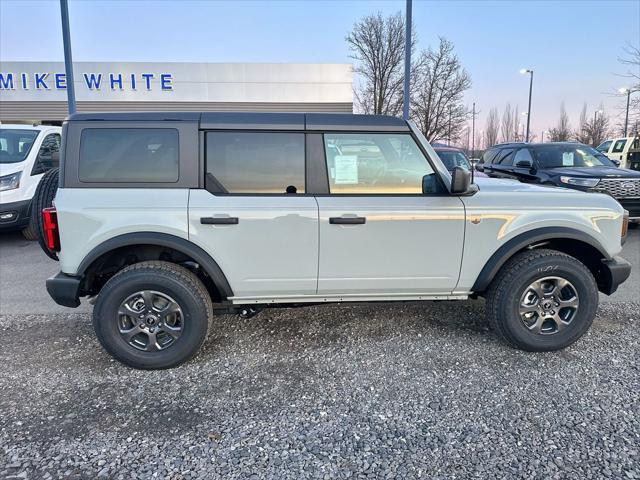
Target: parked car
[26, 153]
[625, 151]
[454, 157]
[168, 219]
[565, 164]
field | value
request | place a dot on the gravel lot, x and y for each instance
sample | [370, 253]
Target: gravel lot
[404, 391]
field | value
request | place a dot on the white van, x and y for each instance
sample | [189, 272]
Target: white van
[618, 149]
[26, 153]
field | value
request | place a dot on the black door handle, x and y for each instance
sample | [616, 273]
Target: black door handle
[219, 220]
[348, 220]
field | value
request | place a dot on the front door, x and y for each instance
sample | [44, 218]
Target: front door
[379, 235]
[254, 219]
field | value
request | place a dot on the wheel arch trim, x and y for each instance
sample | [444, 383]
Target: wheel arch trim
[521, 241]
[182, 245]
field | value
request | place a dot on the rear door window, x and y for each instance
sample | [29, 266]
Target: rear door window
[129, 155]
[505, 157]
[618, 146]
[255, 162]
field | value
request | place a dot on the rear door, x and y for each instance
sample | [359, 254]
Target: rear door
[618, 149]
[255, 218]
[502, 164]
[379, 235]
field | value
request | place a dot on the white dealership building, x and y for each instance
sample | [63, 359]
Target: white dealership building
[36, 91]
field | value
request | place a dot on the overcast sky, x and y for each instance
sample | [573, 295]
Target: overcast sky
[573, 46]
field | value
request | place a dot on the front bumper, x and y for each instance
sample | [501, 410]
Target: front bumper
[632, 205]
[65, 289]
[614, 272]
[14, 215]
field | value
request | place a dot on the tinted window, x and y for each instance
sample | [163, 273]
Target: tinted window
[454, 159]
[47, 158]
[522, 155]
[618, 146]
[374, 163]
[265, 162]
[128, 155]
[489, 155]
[505, 157]
[15, 144]
[557, 156]
[604, 146]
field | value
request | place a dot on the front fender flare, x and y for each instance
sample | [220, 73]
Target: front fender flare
[521, 241]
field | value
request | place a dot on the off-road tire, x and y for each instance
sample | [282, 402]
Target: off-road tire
[164, 277]
[30, 231]
[504, 295]
[43, 198]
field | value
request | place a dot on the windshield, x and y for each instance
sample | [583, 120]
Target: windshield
[454, 159]
[559, 156]
[15, 144]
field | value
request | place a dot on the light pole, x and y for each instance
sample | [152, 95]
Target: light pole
[626, 116]
[407, 62]
[542, 136]
[68, 62]
[473, 131]
[593, 130]
[530, 72]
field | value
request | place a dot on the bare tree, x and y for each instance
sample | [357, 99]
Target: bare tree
[631, 61]
[562, 131]
[491, 128]
[582, 134]
[377, 46]
[597, 129]
[506, 125]
[440, 83]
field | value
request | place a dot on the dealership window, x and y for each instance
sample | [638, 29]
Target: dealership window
[255, 162]
[374, 163]
[128, 155]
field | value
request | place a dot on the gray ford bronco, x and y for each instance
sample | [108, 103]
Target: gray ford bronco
[166, 219]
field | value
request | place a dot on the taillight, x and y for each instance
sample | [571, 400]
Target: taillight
[625, 224]
[50, 227]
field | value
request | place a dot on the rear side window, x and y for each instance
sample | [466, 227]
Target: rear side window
[505, 157]
[618, 147]
[128, 155]
[489, 156]
[256, 162]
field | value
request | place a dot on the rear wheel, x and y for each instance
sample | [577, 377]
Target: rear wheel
[43, 198]
[542, 300]
[152, 315]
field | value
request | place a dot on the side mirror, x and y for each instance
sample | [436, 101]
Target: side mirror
[460, 180]
[616, 162]
[479, 166]
[524, 164]
[429, 184]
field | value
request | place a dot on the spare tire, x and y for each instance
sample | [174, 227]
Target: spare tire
[43, 198]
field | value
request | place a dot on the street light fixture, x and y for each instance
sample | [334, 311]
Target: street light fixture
[624, 90]
[530, 72]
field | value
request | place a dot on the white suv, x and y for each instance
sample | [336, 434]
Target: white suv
[170, 218]
[26, 153]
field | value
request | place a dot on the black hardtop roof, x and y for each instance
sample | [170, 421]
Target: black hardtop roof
[535, 144]
[257, 120]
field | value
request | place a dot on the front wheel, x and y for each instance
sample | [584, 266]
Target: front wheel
[152, 315]
[542, 300]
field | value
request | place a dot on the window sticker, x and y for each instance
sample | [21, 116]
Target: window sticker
[346, 170]
[567, 159]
